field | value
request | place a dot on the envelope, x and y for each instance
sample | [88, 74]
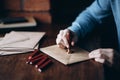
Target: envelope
[13, 37]
[15, 50]
[17, 42]
[27, 40]
[62, 56]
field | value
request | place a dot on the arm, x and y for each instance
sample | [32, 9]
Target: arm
[93, 15]
[85, 22]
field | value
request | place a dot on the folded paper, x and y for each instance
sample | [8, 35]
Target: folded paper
[13, 37]
[19, 42]
[62, 56]
[32, 38]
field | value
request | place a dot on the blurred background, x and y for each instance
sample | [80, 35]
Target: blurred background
[45, 11]
[58, 12]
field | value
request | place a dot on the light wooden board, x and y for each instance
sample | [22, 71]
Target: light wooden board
[62, 56]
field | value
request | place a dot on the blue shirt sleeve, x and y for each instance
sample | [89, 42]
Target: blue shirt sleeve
[91, 16]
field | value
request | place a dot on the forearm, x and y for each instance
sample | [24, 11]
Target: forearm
[83, 24]
[87, 20]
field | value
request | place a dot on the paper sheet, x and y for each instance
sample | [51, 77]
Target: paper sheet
[61, 55]
[20, 42]
[13, 37]
[34, 38]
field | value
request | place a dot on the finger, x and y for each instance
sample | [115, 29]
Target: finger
[61, 46]
[60, 43]
[61, 32]
[58, 40]
[95, 54]
[99, 53]
[66, 38]
[72, 43]
[62, 38]
[101, 60]
[59, 37]
[70, 40]
[74, 39]
[66, 42]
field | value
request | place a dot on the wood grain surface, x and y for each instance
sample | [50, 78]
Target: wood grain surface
[14, 67]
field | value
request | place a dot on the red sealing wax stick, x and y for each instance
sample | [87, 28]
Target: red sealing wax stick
[33, 54]
[37, 56]
[36, 60]
[43, 66]
[41, 62]
[29, 60]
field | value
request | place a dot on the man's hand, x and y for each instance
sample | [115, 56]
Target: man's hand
[66, 38]
[107, 56]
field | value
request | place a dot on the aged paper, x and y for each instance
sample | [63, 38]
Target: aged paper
[17, 42]
[29, 41]
[62, 56]
[13, 37]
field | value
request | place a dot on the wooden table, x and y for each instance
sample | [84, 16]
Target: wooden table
[14, 67]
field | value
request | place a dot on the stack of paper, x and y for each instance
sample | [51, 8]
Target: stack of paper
[19, 42]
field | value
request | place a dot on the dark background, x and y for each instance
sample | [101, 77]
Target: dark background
[60, 12]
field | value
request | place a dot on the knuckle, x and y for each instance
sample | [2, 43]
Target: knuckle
[111, 50]
[61, 31]
[99, 50]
